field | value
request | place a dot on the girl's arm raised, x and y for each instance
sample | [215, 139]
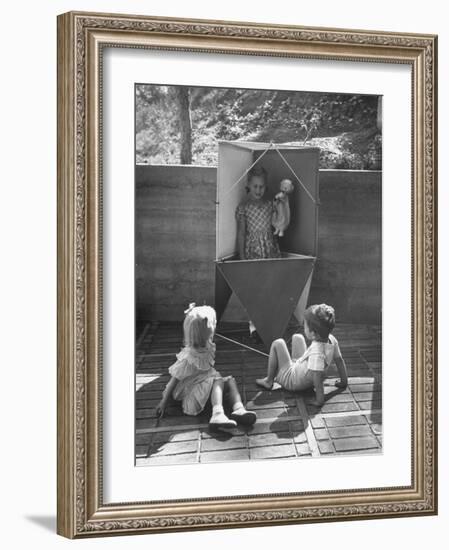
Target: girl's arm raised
[160, 409]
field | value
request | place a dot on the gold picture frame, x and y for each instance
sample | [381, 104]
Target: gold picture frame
[81, 38]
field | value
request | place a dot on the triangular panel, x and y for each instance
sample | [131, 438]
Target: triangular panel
[302, 304]
[222, 293]
[233, 162]
[269, 290]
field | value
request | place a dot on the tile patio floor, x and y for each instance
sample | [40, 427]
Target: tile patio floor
[288, 426]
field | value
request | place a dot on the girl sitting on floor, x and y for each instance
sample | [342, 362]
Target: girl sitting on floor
[194, 379]
[308, 366]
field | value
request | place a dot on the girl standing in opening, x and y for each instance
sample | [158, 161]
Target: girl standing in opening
[307, 367]
[255, 239]
[194, 379]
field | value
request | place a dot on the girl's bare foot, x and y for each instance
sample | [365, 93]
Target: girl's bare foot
[264, 383]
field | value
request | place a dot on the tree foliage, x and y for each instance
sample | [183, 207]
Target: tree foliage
[344, 126]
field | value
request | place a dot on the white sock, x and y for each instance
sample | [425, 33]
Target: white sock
[217, 409]
[237, 405]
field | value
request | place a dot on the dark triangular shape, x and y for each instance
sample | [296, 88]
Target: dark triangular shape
[222, 293]
[269, 290]
[303, 299]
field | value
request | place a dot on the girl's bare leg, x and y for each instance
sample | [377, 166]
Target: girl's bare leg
[299, 346]
[216, 395]
[279, 356]
[218, 418]
[239, 413]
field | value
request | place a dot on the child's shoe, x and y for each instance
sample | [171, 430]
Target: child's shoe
[219, 420]
[242, 416]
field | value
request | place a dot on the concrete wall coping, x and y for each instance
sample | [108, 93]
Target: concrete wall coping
[336, 170]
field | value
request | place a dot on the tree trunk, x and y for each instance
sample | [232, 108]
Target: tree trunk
[379, 113]
[185, 124]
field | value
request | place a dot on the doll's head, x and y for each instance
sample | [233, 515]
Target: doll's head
[199, 325]
[257, 181]
[286, 186]
[319, 321]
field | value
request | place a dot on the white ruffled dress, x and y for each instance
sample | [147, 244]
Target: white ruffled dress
[194, 370]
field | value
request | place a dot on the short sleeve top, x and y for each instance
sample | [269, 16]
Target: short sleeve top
[192, 361]
[319, 355]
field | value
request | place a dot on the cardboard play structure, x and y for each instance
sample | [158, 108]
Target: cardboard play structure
[270, 290]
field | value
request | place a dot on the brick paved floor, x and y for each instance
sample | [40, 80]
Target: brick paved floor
[288, 426]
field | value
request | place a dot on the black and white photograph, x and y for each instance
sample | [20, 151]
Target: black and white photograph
[223, 238]
[258, 274]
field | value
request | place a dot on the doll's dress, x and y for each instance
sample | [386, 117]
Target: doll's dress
[298, 375]
[259, 239]
[281, 214]
[194, 370]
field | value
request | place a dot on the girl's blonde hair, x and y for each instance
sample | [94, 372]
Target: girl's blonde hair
[199, 325]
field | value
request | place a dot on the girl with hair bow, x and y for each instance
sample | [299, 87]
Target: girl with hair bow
[194, 380]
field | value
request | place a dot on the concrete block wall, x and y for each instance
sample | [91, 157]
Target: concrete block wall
[175, 239]
[175, 243]
[348, 273]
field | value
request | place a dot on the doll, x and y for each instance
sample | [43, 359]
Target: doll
[281, 214]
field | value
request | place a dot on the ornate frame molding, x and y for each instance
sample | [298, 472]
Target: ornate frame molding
[81, 37]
